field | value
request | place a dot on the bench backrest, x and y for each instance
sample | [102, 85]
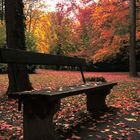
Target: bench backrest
[14, 56]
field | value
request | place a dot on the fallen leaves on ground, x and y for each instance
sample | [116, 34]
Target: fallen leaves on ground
[73, 121]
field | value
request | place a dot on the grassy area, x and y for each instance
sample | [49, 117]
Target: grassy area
[122, 123]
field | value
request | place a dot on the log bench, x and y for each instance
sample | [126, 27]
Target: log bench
[40, 106]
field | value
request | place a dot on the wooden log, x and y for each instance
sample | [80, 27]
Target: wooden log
[96, 100]
[38, 119]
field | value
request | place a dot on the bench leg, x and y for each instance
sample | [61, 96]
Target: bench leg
[96, 100]
[38, 119]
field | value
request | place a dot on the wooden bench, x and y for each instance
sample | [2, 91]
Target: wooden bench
[39, 107]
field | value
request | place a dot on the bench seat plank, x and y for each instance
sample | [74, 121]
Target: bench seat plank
[64, 93]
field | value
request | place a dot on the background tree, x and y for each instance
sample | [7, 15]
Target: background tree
[31, 8]
[110, 23]
[62, 26]
[42, 31]
[2, 34]
[132, 50]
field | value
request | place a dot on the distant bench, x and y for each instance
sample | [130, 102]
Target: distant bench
[39, 107]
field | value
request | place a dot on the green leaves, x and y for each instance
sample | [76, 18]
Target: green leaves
[2, 34]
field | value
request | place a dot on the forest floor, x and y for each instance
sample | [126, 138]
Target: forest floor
[73, 122]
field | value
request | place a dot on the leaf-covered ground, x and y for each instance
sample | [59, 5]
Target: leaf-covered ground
[73, 122]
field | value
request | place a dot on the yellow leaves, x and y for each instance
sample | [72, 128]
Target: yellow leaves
[106, 130]
[114, 132]
[42, 47]
[130, 119]
[42, 29]
[1, 24]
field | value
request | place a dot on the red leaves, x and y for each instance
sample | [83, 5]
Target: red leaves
[3, 83]
[9, 131]
[5, 126]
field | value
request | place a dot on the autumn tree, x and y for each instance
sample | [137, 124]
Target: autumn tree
[31, 8]
[43, 33]
[85, 30]
[110, 23]
[16, 39]
[63, 28]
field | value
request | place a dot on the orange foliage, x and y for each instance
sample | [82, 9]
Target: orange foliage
[110, 26]
[99, 29]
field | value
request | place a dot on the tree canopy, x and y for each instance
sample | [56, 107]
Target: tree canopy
[85, 28]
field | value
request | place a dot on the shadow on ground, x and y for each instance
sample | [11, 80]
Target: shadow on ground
[113, 124]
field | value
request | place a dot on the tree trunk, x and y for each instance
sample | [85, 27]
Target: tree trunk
[18, 76]
[132, 51]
